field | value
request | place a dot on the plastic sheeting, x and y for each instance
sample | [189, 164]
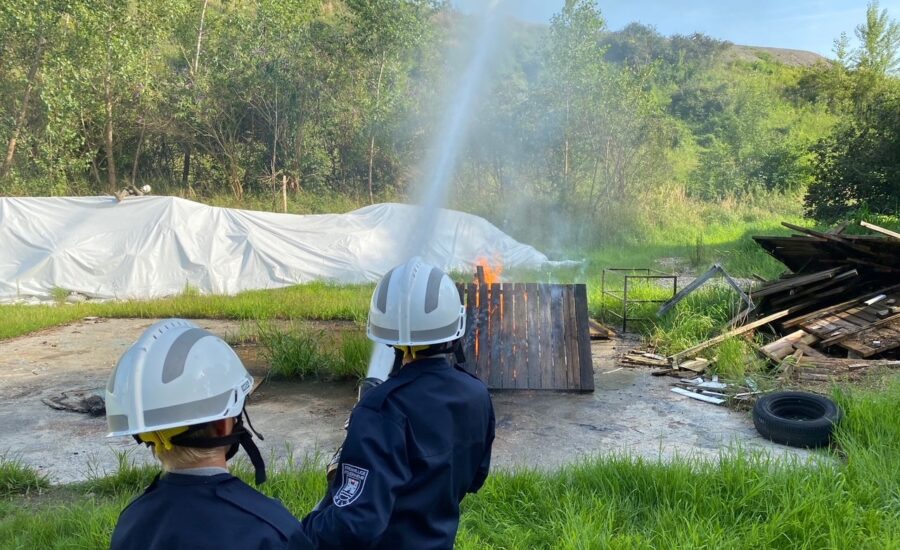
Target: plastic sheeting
[147, 247]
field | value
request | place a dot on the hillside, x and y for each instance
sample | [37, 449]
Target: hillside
[791, 58]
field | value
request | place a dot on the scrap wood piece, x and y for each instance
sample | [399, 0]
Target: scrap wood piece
[880, 340]
[695, 365]
[782, 285]
[690, 352]
[809, 350]
[881, 230]
[699, 396]
[845, 363]
[786, 345]
[843, 241]
[644, 359]
[837, 339]
[598, 331]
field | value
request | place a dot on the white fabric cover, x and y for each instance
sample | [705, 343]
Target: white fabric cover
[147, 247]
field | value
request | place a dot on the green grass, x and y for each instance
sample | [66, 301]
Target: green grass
[298, 351]
[849, 498]
[319, 301]
[16, 478]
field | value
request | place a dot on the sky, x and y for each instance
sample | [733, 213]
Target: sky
[811, 25]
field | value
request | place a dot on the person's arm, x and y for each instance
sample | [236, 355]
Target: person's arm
[372, 468]
[485, 466]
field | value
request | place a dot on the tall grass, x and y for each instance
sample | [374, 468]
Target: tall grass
[17, 478]
[847, 499]
[298, 351]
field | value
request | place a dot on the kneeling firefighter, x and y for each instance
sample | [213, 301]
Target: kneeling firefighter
[418, 441]
[180, 390]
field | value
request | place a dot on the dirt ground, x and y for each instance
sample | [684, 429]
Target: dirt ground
[630, 411]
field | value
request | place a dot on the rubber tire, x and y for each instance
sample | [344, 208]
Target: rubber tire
[794, 418]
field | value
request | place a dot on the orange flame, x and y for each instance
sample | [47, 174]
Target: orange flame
[493, 270]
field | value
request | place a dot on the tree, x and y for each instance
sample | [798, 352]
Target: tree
[879, 37]
[857, 168]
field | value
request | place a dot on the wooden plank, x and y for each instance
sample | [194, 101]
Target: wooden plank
[573, 377]
[736, 332]
[533, 301]
[695, 365]
[809, 351]
[494, 339]
[557, 333]
[881, 230]
[548, 375]
[836, 339]
[520, 337]
[473, 321]
[582, 333]
[784, 346]
[484, 350]
[507, 359]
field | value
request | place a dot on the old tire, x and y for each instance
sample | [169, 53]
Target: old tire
[798, 419]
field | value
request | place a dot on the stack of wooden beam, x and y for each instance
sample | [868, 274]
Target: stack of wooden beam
[842, 297]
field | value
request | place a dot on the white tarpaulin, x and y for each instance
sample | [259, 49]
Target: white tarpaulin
[148, 247]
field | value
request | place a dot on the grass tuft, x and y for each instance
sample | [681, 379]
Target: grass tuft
[17, 478]
[298, 351]
[128, 478]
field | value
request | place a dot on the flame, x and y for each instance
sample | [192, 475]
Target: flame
[493, 269]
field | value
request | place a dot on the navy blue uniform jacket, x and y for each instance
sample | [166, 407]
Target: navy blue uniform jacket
[416, 444]
[196, 512]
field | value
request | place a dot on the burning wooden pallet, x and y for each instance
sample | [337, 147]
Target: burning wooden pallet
[528, 336]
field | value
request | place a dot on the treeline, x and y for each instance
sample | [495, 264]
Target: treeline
[213, 97]
[208, 95]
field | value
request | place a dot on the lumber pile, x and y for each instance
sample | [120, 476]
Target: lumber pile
[842, 297]
[836, 312]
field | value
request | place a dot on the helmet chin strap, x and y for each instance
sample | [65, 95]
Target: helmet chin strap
[239, 437]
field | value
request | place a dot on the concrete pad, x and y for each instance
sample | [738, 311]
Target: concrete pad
[630, 411]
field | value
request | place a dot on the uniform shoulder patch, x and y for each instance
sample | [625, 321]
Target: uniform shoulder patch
[353, 482]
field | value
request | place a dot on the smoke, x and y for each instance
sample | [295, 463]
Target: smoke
[443, 155]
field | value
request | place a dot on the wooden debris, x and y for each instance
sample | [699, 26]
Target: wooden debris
[695, 365]
[842, 297]
[881, 230]
[598, 331]
[636, 358]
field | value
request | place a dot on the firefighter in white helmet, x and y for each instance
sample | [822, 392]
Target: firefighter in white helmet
[181, 391]
[417, 442]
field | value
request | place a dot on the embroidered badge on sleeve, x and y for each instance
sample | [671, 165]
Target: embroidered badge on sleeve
[353, 483]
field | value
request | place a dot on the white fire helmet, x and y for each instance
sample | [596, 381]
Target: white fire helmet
[176, 374]
[416, 304]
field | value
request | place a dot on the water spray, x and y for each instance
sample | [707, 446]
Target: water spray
[442, 163]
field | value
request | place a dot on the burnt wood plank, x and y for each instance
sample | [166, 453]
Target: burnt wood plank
[548, 376]
[507, 352]
[533, 304]
[582, 333]
[473, 323]
[520, 336]
[495, 338]
[557, 334]
[573, 378]
[483, 345]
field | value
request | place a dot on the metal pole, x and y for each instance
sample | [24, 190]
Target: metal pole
[625, 306]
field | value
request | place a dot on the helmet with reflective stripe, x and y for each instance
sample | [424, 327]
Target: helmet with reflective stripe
[416, 304]
[176, 374]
